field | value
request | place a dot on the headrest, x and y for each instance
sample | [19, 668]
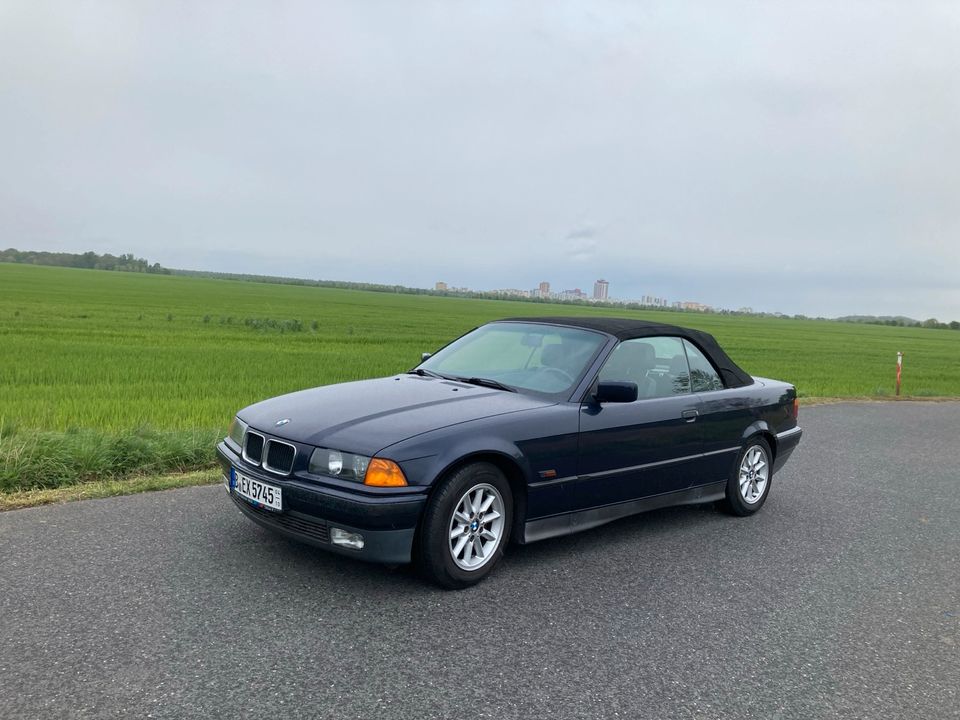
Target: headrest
[552, 355]
[641, 354]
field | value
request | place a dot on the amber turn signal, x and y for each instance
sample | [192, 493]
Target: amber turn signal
[384, 473]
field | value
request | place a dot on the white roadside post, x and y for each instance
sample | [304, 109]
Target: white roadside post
[899, 369]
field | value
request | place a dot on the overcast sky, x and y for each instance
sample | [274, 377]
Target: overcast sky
[799, 157]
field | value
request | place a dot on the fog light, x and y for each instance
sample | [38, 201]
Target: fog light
[354, 541]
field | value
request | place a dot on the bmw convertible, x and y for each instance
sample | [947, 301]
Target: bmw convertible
[520, 430]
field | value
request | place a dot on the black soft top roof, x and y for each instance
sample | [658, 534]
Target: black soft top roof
[627, 329]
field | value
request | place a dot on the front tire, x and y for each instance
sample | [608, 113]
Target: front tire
[750, 478]
[466, 526]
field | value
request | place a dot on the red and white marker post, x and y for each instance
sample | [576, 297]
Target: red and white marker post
[899, 369]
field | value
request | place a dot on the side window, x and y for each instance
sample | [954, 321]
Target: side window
[658, 365]
[702, 373]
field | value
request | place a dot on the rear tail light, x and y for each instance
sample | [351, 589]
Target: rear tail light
[796, 408]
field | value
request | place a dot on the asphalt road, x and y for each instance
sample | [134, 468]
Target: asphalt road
[841, 598]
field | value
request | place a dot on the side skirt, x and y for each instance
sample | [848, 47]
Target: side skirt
[567, 523]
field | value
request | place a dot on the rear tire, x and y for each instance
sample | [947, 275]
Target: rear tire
[750, 478]
[466, 526]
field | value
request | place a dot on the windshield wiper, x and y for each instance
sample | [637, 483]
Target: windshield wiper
[486, 382]
[427, 373]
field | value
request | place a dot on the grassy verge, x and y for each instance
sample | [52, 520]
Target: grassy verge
[811, 401]
[48, 460]
[17, 499]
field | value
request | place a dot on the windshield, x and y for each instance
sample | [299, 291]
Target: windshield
[526, 356]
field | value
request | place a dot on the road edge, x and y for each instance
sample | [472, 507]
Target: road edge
[20, 499]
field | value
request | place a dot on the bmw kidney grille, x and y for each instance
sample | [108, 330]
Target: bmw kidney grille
[273, 455]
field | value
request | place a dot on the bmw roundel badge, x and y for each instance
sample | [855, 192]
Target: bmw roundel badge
[281, 423]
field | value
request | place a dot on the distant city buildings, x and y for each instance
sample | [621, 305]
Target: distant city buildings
[601, 289]
[601, 293]
[699, 307]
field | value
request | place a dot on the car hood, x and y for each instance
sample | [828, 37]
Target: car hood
[366, 416]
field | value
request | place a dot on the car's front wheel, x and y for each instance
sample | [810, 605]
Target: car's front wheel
[466, 526]
[749, 482]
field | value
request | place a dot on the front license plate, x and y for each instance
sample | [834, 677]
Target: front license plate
[259, 493]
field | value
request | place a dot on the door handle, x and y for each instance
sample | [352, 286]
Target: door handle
[689, 415]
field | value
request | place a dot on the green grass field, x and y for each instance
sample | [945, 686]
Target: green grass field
[89, 359]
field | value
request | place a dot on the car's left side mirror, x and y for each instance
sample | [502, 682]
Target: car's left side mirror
[618, 392]
[425, 356]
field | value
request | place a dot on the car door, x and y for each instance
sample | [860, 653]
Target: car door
[724, 415]
[647, 447]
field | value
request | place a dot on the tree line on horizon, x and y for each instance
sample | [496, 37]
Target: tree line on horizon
[900, 321]
[88, 260]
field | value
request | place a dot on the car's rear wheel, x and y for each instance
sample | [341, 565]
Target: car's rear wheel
[466, 526]
[749, 482]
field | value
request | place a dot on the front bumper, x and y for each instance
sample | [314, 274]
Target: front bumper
[386, 522]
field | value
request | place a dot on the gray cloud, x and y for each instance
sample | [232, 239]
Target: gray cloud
[793, 157]
[581, 245]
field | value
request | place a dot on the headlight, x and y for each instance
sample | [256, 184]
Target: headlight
[338, 464]
[237, 428]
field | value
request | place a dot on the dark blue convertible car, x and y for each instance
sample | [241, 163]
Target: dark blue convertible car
[522, 430]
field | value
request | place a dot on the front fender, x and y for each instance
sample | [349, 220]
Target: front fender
[475, 447]
[540, 443]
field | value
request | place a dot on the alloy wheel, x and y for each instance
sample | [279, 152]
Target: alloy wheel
[476, 527]
[754, 474]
